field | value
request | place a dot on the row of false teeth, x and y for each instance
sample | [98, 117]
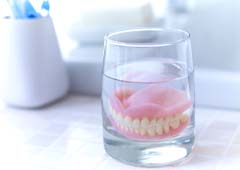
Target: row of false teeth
[146, 126]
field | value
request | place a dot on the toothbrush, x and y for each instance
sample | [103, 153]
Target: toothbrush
[24, 9]
[29, 10]
[45, 8]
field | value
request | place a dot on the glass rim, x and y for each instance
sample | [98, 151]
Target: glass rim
[142, 45]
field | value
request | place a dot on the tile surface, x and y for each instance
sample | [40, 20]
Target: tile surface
[68, 136]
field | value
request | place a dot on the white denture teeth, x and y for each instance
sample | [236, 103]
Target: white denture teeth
[127, 121]
[151, 131]
[125, 128]
[144, 123]
[159, 128]
[184, 118]
[153, 123]
[119, 118]
[131, 129]
[166, 125]
[148, 126]
[152, 127]
[136, 124]
[174, 122]
[142, 131]
[136, 131]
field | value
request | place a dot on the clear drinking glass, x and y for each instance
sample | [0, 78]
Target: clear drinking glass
[148, 96]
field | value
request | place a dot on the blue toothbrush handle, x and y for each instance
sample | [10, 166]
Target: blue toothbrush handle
[30, 12]
[45, 8]
[45, 5]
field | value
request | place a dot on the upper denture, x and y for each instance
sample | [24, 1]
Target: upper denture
[152, 101]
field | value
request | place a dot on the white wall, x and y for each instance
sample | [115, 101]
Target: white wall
[215, 29]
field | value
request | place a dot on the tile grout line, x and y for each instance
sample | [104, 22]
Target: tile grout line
[232, 139]
[100, 163]
[228, 147]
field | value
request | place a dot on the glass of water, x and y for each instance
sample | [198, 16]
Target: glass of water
[148, 96]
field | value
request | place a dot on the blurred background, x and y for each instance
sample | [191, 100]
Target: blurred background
[213, 25]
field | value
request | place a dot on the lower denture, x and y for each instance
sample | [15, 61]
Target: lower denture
[154, 112]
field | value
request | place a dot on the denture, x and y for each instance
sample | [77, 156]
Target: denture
[153, 112]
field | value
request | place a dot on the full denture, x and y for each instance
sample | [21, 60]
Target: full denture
[154, 112]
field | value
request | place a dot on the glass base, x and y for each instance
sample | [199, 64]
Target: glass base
[149, 154]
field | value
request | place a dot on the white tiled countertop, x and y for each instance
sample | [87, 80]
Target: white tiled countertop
[68, 136]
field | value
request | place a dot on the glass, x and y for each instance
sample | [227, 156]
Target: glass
[148, 96]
